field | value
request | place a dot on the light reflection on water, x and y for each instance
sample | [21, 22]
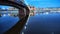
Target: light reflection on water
[6, 22]
[45, 23]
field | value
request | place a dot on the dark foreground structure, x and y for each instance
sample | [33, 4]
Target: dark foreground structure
[15, 29]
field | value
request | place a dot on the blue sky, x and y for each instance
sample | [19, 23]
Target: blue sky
[44, 3]
[41, 3]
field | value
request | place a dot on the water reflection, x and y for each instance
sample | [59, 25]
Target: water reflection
[8, 17]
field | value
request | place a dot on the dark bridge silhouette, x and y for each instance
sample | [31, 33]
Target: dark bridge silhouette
[16, 29]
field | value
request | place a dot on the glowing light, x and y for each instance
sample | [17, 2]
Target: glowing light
[22, 32]
[4, 15]
[3, 8]
[47, 13]
[8, 14]
[52, 32]
[26, 23]
[25, 27]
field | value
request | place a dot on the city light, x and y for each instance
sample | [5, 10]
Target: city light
[25, 27]
[4, 15]
[3, 8]
[47, 13]
[22, 32]
[26, 23]
[8, 14]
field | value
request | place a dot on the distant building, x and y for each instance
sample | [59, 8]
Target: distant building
[32, 10]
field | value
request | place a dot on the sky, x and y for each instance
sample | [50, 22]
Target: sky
[40, 3]
[43, 3]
